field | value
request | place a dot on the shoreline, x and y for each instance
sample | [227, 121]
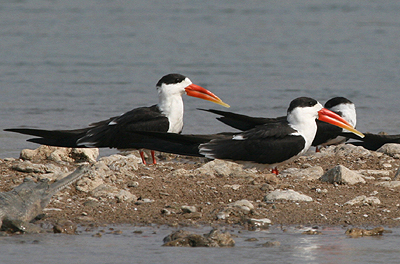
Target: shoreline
[183, 191]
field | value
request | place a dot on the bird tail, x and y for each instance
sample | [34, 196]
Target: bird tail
[58, 138]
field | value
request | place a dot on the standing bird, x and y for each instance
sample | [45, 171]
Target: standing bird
[268, 144]
[117, 132]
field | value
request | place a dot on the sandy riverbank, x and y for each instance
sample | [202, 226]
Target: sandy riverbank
[188, 191]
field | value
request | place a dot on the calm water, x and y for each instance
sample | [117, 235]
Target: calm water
[64, 64]
[333, 246]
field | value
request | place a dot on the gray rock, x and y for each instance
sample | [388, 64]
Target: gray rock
[65, 227]
[188, 209]
[390, 149]
[342, 175]
[29, 167]
[221, 168]
[215, 238]
[92, 203]
[220, 239]
[121, 163]
[385, 179]
[180, 173]
[88, 184]
[84, 154]
[271, 244]
[389, 184]
[104, 190]
[234, 187]
[374, 173]
[143, 201]
[362, 199]
[61, 154]
[287, 195]
[133, 184]
[263, 223]
[112, 192]
[309, 174]
[244, 205]
[125, 196]
[350, 150]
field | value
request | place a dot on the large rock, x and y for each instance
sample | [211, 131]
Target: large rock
[350, 150]
[342, 175]
[391, 149]
[58, 154]
[287, 195]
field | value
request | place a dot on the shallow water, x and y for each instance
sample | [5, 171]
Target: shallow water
[333, 246]
[65, 64]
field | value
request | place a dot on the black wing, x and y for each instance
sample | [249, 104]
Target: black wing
[114, 132]
[242, 122]
[267, 144]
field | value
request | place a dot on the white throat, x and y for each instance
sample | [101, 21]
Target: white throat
[303, 119]
[171, 105]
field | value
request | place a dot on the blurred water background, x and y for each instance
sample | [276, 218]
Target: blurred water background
[65, 64]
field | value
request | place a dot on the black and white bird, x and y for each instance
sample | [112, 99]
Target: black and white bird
[117, 132]
[265, 145]
[331, 135]
[327, 134]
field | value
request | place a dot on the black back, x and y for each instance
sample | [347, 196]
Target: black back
[267, 144]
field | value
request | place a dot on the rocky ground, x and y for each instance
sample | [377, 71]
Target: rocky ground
[181, 191]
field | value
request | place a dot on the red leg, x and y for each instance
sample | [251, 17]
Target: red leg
[142, 156]
[317, 149]
[275, 171]
[153, 157]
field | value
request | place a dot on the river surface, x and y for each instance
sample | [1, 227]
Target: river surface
[65, 64]
[333, 246]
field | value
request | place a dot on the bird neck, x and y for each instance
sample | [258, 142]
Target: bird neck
[305, 127]
[172, 107]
